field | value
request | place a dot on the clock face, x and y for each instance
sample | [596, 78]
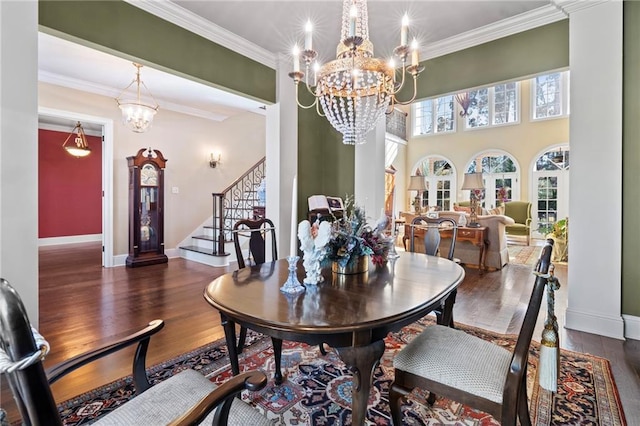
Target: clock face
[149, 175]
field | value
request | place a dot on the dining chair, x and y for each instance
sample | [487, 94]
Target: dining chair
[431, 227]
[471, 370]
[186, 398]
[257, 231]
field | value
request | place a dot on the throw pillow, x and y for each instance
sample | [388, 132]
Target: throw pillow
[461, 209]
[497, 210]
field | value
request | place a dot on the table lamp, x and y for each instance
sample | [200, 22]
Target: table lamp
[416, 183]
[473, 181]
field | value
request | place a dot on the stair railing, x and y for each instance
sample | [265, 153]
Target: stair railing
[235, 202]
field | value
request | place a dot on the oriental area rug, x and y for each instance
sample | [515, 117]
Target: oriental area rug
[524, 255]
[317, 388]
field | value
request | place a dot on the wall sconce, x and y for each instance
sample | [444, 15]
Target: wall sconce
[213, 162]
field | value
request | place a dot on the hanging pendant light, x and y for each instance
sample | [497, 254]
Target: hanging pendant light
[81, 148]
[136, 114]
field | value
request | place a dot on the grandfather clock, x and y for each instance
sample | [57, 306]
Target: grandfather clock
[146, 208]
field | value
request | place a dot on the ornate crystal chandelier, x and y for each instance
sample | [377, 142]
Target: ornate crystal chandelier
[356, 89]
[136, 114]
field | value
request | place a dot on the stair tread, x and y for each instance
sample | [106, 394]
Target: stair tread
[210, 252]
[203, 237]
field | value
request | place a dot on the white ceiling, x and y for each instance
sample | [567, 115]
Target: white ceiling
[263, 30]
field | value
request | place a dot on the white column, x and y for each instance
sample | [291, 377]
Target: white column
[282, 154]
[369, 172]
[596, 157]
[19, 150]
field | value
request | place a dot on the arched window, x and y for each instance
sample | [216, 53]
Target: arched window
[439, 177]
[550, 189]
[501, 177]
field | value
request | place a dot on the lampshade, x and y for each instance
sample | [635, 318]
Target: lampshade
[472, 181]
[416, 183]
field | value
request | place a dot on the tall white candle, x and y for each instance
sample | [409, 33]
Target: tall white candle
[308, 45]
[352, 20]
[296, 59]
[294, 217]
[403, 30]
[414, 53]
[393, 210]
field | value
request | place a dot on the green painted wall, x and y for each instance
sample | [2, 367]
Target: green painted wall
[325, 164]
[631, 160]
[117, 26]
[541, 49]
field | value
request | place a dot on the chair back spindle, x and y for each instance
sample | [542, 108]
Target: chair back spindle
[432, 235]
[258, 230]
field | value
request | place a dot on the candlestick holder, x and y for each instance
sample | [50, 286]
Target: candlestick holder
[393, 254]
[292, 285]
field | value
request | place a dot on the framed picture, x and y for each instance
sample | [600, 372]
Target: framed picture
[335, 203]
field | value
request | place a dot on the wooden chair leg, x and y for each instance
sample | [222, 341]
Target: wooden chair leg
[523, 404]
[241, 339]
[323, 351]
[396, 393]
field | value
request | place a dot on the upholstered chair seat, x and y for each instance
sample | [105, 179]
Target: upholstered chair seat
[446, 355]
[167, 400]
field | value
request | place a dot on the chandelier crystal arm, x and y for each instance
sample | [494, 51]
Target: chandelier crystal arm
[355, 90]
[315, 101]
[395, 100]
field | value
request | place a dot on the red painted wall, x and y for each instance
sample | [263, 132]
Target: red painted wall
[69, 188]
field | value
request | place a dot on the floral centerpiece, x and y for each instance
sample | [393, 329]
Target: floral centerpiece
[352, 238]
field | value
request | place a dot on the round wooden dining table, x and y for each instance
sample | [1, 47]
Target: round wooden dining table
[351, 313]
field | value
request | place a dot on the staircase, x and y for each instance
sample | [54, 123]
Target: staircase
[214, 246]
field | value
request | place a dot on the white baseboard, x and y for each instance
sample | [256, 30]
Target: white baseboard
[631, 327]
[593, 323]
[73, 239]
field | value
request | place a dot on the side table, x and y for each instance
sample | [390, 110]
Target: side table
[476, 236]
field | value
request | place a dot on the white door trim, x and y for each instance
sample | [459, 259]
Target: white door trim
[107, 173]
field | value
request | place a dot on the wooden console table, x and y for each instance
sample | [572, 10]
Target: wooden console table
[476, 236]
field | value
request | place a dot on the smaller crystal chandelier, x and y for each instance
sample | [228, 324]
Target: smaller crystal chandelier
[356, 89]
[81, 148]
[136, 114]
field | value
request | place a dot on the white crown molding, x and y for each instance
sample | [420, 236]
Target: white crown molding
[178, 15]
[98, 89]
[523, 22]
[572, 6]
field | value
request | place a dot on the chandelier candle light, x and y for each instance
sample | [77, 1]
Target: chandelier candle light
[356, 89]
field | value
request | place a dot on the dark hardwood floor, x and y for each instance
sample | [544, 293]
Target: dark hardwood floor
[83, 305]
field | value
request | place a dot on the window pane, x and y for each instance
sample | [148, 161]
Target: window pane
[445, 114]
[423, 117]
[478, 113]
[505, 103]
[548, 97]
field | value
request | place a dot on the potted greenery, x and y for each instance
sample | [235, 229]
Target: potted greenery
[559, 236]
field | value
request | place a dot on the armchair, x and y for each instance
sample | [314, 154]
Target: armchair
[520, 212]
[186, 398]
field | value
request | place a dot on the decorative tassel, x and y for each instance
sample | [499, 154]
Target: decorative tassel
[549, 367]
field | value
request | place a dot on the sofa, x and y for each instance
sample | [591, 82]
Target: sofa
[497, 254]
